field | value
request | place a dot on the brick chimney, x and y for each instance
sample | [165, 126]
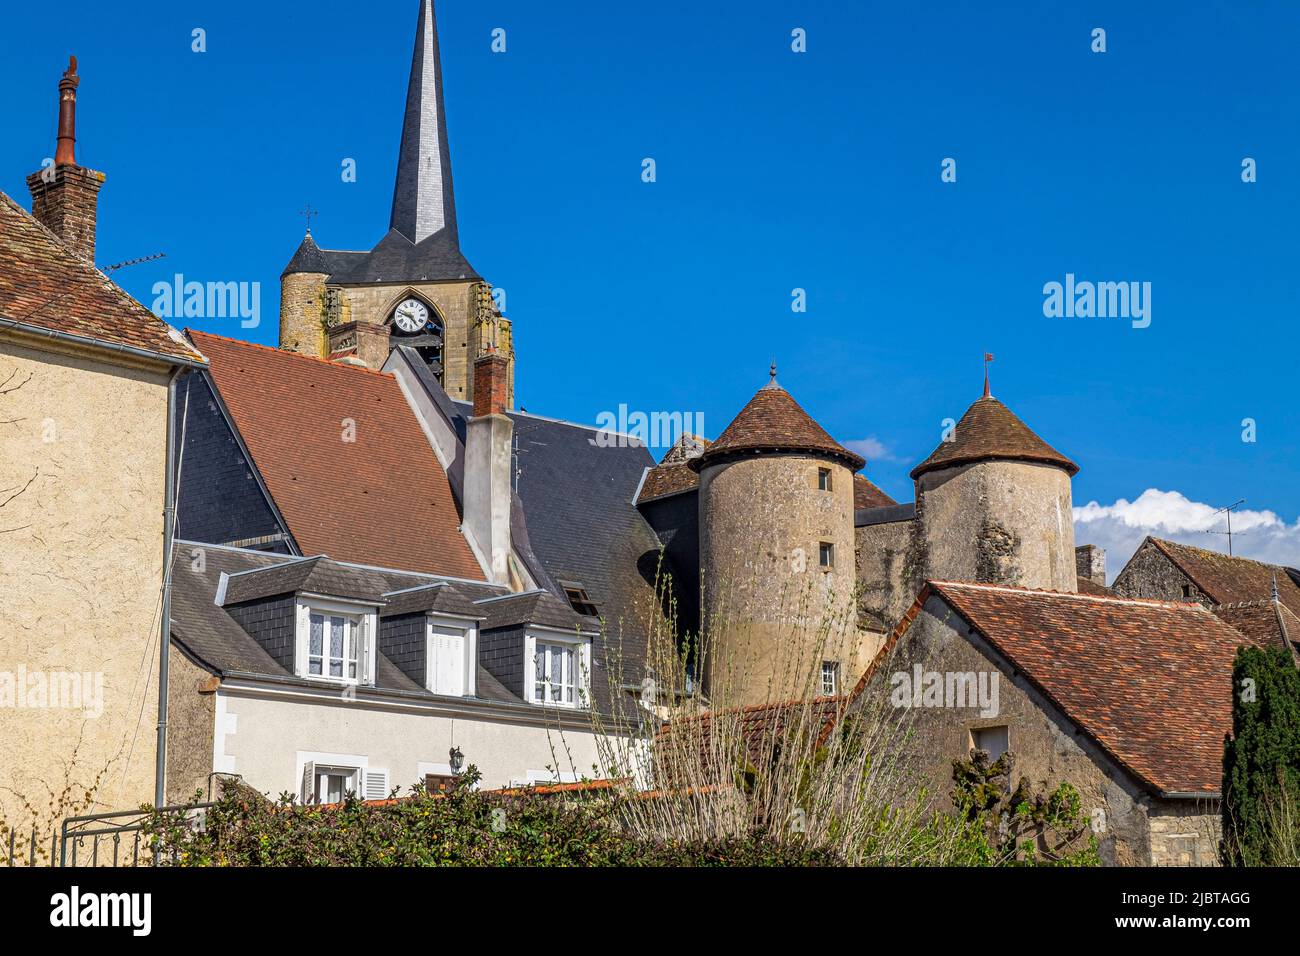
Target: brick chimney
[65, 196]
[488, 465]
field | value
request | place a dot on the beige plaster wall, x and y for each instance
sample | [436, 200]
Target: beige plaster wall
[80, 567]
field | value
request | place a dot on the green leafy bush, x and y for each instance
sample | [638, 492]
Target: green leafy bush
[460, 827]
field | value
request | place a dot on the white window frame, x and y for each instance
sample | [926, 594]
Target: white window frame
[366, 618]
[580, 644]
[834, 672]
[469, 644]
[356, 766]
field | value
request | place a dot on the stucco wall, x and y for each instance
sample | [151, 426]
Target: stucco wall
[1000, 522]
[80, 565]
[1046, 747]
[772, 613]
[264, 736]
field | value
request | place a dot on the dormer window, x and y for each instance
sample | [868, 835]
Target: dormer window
[335, 641]
[580, 601]
[558, 667]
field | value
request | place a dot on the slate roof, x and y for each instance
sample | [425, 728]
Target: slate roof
[211, 636]
[423, 242]
[774, 422]
[439, 597]
[1231, 580]
[381, 499]
[533, 607]
[315, 575]
[1149, 681]
[583, 525]
[991, 431]
[43, 284]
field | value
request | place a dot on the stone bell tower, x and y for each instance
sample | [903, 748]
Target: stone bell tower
[415, 288]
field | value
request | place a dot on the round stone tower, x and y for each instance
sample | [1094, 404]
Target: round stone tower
[776, 556]
[302, 300]
[994, 506]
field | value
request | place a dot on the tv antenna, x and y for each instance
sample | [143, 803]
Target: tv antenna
[1228, 512]
[133, 262]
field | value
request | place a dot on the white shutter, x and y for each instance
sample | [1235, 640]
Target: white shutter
[308, 791]
[300, 640]
[376, 786]
[448, 648]
[363, 655]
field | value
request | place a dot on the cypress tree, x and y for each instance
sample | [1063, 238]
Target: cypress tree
[1261, 761]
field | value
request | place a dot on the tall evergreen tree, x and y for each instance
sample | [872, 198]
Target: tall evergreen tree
[1261, 761]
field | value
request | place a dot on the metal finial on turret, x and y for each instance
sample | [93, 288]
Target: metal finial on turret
[772, 382]
[988, 357]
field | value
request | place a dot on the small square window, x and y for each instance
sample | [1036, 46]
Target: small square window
[823, 479]
[994, 741]
[826, 554]
[1187, 590]
[830, 678]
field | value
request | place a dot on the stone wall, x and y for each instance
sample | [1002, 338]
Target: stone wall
[302, 313]
[1150, 574]
[772, 613]
[889, 573]
[998, 522]
[1047, 747]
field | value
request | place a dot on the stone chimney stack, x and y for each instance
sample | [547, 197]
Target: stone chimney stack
[488, 465]
[1090, 563]
[65, 196]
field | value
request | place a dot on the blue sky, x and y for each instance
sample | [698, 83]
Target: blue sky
[776, 171]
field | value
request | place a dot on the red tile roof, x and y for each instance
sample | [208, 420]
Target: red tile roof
[1089, 586]
[45, 285]
[989, 430]
[1263, 623]
[381, 500]
[774, 422]
[1230, 580]
[1150, 681]
[867, 495]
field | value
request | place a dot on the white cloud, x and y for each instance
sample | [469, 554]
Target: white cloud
[1120, 528]
[871, 448]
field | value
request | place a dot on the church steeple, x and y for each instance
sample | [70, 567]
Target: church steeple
[423, 202]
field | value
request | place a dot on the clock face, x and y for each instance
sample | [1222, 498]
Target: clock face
[411, 316]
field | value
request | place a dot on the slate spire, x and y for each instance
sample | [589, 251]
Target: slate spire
[423, 203]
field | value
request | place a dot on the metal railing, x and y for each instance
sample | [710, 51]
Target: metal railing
[118, 838]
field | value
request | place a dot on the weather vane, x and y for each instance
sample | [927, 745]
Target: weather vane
[307, 212]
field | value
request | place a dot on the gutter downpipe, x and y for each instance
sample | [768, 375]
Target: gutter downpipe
[165, 638]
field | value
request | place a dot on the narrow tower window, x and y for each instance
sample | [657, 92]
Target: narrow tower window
[823, 479]
[826, 554]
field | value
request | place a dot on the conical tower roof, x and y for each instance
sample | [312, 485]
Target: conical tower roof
[990, 431]
[308, 258]
[773, 422]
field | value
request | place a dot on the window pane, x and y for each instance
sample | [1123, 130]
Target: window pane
[317, 634]
[336, 637]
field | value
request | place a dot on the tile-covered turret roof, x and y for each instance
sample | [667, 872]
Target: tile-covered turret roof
[774, 422]
[990, 431]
